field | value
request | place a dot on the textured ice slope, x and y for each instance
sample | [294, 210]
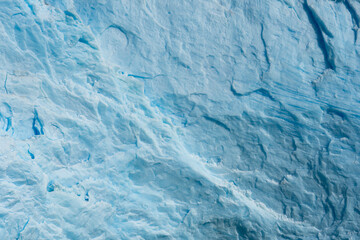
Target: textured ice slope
[194, 119]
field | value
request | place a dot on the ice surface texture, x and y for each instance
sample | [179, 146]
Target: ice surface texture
[169, 119]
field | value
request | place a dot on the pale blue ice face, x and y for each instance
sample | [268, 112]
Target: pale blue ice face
[193, 119]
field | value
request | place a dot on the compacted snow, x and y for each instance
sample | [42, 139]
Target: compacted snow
[169, 119]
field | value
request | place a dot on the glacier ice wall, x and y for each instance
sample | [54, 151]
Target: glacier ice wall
[194, 119]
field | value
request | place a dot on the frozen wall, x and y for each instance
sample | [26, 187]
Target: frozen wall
[193, 119]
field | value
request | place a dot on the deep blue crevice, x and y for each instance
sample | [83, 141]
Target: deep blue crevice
[265, 47]
[72, 15]
[335, 112]
[354, 16]
[86, 198]
[19, 233]
[138, 76]
[85, 40]
[51, 186]
[31, 154]
[9, 123]
[265, 93]
[217, 122]
[261, 91]
[324, 47]
[5, 82]
[37, 125]
[352, 12]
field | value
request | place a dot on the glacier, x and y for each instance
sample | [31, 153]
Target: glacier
[194, 119]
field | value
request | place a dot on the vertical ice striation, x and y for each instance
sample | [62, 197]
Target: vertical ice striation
[194, 119]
